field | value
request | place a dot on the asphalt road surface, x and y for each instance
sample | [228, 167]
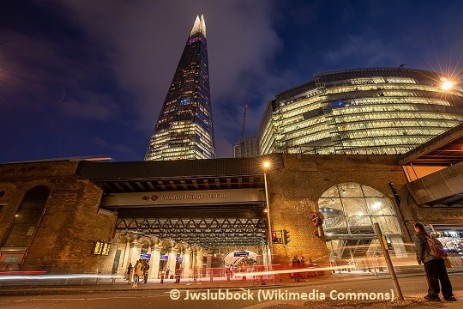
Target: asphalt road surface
[314, 294]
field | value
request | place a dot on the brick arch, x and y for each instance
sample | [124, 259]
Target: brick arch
[350, 209]
[27, 218]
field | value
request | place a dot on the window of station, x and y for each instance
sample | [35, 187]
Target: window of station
[351, 209]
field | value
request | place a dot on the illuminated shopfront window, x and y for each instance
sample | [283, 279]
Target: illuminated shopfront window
[350, 210]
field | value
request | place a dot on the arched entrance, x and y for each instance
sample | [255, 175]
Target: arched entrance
[241, 257]
[22, 231]
[241, 261]
[350, 210]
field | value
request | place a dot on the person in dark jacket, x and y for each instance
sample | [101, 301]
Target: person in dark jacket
[433, 266]
[129, 273]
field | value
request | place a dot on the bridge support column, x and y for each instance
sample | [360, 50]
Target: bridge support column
[172, 261]
[130, 258]
[199, 261]
[136, 251]
[186, 263]
[155, 260]
[210, 272]
[126, 256]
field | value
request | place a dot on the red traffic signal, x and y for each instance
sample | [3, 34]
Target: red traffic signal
[276, 237]
[316, 218]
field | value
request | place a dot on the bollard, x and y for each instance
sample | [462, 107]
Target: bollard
[388, 262]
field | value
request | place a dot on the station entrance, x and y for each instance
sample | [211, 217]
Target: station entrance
[189, 226]
[193, 240]
[350, 211]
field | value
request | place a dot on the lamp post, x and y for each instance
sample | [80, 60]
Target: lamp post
[266, 165]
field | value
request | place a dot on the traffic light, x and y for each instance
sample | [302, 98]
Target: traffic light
[276, 237]
[285, 237]
[316, 218]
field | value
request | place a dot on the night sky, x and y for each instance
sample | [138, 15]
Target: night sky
[85, 78]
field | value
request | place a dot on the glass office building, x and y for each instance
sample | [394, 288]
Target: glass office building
[184, 128]
[363, 111]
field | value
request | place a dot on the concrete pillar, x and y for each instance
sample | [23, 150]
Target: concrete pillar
[136, 251]
[209, 265]
[186, 264]
[125, 257]
[130, 252]
[155, 260]
[172, 260]
[199, 262]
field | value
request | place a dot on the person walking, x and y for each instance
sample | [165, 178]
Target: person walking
[137, 273]
[302, 265]
[129, 273]
[167, 272]
[145, 271]
[296, 265]
[434, 267]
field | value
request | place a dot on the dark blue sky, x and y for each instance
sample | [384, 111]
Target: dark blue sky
[88, 78]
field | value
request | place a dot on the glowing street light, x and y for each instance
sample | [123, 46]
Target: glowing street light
[266, 165]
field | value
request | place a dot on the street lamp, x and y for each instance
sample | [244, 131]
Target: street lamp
[266, 166]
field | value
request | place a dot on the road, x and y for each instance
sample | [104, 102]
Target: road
[321, 294]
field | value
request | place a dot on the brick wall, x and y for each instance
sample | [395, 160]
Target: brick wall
[71, 222]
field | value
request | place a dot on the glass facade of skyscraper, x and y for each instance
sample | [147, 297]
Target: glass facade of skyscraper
[184, 128]
[364, 111]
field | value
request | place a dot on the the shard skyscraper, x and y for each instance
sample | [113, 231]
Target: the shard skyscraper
[184, 128]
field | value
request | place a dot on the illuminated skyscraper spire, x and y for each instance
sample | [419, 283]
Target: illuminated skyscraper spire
[199, 26]
[184, 128]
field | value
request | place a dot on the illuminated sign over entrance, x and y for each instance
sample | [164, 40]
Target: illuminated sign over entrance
[179, 198]
[241, 254]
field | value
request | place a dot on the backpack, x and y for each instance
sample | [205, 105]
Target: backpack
[436, 248]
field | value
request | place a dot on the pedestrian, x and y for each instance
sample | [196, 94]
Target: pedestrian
[163, 274]
[302, 265]
[228, 272]
[145, 272]
[296, 265]
[434, 267]
[129, 273]
[137, 273]
[178, 274]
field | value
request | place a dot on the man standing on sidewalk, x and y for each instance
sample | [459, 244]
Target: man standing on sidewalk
[434, 267]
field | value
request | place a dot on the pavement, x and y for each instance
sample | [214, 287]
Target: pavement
[95, 286]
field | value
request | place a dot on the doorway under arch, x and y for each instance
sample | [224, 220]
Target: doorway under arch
[350, 210]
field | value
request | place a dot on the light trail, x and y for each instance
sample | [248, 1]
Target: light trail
[52, 277]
